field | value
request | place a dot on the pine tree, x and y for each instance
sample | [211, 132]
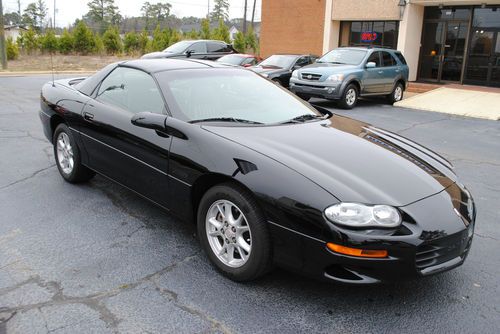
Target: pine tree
[220, 11]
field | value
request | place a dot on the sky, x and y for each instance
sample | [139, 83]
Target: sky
[69, 10]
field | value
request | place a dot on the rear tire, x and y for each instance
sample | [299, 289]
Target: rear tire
[68, 158]
[233, 232]
[349, 97]
[397, 93]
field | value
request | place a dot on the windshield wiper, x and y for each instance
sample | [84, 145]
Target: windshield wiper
[302, 119]
[225, 119]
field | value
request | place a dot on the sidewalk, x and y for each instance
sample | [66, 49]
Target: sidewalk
[480, 102]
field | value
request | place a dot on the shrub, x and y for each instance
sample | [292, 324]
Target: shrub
[175, 36]
[30, 41]
[251, 40]
[66, 42]
[239, 42]
[49, 42]
[112, 41]
[144, 42]
[205, 29]
[193, 34]
[131, 43]
[160, 39]
[83, 38]
[12, 49]
[98, 45]
[221, 33]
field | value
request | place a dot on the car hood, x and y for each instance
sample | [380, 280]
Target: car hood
[267, 70]
[352, 160]
[327, 68]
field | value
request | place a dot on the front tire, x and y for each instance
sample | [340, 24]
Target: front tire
[68, 158]
[233, 232]
[397, 93]
[349, 97]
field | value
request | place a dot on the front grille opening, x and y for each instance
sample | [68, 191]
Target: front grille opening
[428, 255]
[311, 76]
[339, 271]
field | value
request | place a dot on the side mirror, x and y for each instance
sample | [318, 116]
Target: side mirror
[162, 124]
[371, 64]
[189, 53]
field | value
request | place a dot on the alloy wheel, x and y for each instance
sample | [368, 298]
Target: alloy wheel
[228, 233]
[350, 97]
[398, 93]
[65, 153]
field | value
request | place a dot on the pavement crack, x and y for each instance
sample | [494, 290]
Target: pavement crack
[485, 236]
[27, 177]
[421, 123]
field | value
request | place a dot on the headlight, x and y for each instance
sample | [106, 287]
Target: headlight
[295, 74]
[360, 215]
[265, 75]
[335, 78]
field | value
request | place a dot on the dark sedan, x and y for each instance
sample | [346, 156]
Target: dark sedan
[252, 170]
[279, 68]
[240, 59]
[197, 49]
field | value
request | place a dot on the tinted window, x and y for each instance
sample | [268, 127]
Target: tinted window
[374, 58]
[249, 61]
[200, 94]
[387, 59]
[178, 47]
[303, 61]
[363, 33]
[283, 61]
[216, 47]
[200, 47]
[401, 58]
[132, 90]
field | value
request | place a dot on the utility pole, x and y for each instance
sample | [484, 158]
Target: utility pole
[253, 14]
[3, 53]
[54, 26]
[208, 10]
[245, 18]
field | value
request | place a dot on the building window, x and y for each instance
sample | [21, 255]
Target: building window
[363, 33]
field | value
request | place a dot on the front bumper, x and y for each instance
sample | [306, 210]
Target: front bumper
[316, 89]
[438, 238]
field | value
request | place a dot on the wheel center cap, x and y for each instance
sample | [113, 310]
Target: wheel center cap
[229, 234]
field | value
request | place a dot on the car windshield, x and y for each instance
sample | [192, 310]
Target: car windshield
[343, 56]
[282, 61]
[231, 59]
[230, 94]
[178, 47]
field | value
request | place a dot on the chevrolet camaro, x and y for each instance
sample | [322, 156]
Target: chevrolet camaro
[267, 178]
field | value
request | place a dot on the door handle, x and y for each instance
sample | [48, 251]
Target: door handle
[380, 72]
[88, 116]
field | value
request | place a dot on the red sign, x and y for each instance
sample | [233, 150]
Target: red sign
[368, 36]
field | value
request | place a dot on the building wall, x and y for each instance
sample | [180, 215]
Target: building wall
[410, 35]
[347, 10]
[292, 26]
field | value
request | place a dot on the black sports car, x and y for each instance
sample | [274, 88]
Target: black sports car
[279, 68]
[196, 49]
[267, 178]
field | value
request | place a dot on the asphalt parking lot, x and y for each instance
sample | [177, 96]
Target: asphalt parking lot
[96, 258]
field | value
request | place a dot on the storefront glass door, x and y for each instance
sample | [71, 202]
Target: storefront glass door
[443, 50]
[483, 66]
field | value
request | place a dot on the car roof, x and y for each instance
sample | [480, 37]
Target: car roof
[159, 65]
[377, 48]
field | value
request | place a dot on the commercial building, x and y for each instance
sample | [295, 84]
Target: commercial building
[443, 41]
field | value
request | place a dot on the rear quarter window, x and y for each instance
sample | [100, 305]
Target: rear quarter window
[401, 58]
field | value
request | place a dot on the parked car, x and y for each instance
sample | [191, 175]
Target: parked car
[197, 49]
[279, 68]
[345, 74]
[240, 59]
[250, 168]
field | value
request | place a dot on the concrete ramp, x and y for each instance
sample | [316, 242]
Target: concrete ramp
[462, 102]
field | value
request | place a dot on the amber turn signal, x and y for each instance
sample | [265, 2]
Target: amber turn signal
[356, 251]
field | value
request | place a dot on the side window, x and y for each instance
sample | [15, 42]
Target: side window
[375, 58]
[249, 61]
[388, 59]
[401, 58]
[216, 47]
[132, 90]
[199, 47]
[303, 61]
